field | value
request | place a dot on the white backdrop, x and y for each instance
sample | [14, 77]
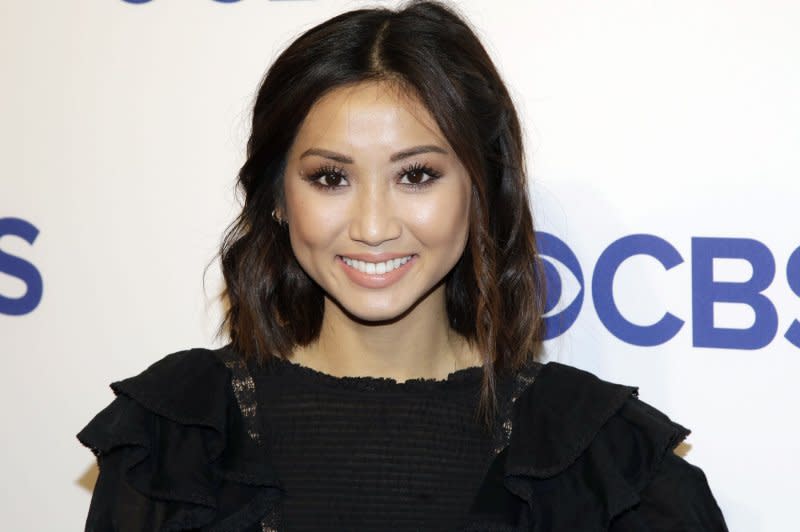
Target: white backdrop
[123, 126]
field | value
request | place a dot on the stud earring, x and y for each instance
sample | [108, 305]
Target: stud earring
[277, 219]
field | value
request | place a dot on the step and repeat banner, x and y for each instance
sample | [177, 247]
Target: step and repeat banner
[663, 146]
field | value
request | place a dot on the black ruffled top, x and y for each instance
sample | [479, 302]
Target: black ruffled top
[201, 441]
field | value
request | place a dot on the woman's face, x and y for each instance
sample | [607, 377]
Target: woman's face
[376, 200]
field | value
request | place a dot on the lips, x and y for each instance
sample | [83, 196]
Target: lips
[379, 274]
[379, 268]
[376, 257]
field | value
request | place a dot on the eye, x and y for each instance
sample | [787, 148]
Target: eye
[328, 177]
[418, 175]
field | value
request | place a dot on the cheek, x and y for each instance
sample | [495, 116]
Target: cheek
[445, 221]
[312, 220]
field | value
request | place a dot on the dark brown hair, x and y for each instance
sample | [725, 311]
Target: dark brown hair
[495, 293]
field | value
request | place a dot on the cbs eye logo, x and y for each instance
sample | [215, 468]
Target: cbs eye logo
[564, 277]
[560, 265]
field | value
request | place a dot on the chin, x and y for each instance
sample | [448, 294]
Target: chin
[377, 314]
[365, 312]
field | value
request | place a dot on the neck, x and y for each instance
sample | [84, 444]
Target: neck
[420, 344]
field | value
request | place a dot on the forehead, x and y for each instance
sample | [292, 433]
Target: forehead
[375, 111]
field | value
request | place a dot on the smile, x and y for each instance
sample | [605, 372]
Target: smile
[373, 268]
[377, 275]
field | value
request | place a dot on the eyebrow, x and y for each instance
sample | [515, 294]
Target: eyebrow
[344, 159]
[416, 150]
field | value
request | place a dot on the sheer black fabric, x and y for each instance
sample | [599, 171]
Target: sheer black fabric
[362, 453]
[199, 441]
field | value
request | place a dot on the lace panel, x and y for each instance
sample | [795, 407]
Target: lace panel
[245, 391]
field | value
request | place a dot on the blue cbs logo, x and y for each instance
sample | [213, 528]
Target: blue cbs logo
[20, 269]
[705, 291]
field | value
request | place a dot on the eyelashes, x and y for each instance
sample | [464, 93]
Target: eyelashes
[420, 170]
[330, 177]
[334, 174]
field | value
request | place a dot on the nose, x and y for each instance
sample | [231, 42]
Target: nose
[374, 215]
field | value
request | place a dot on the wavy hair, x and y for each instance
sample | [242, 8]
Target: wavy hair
[495, 293]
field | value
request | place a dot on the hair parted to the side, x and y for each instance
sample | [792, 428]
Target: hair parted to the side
[495, 293]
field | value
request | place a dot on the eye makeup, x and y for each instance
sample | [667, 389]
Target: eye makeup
[419, 169]
[334, 175]
[328, 171]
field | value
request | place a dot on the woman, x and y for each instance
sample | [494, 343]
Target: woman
[385, 313]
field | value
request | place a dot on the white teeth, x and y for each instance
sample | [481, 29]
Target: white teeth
[372, 268]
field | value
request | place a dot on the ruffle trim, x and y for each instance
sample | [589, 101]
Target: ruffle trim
[581, 452]
[179, 436]
[585, 449]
